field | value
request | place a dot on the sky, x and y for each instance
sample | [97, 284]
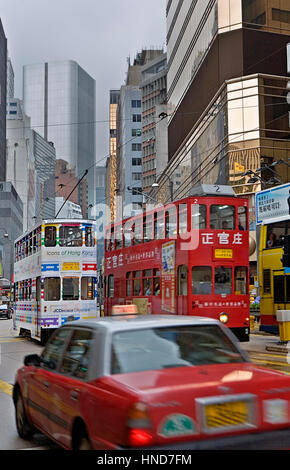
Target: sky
[99, 35]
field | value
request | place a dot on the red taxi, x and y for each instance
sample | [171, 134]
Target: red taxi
[151, 382]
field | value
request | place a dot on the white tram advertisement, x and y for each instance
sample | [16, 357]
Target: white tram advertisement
[55, 273]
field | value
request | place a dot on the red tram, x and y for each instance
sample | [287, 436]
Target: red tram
[190, 257]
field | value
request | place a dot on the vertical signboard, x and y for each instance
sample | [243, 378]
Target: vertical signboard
[168, 277]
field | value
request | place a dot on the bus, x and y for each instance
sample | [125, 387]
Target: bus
[273, 225]
[190, 257]
[55, 268]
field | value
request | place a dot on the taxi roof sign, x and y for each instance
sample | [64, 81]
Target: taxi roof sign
[124, 309]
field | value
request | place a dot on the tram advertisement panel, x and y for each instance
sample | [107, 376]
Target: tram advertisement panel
[168, 277]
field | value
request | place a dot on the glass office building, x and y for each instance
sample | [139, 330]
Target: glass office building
[60, 99]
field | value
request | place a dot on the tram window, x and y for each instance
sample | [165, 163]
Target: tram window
[160, 225]
[171, 223]
[129, 284]
[242, 218]
[156, 282]
[52, 288]
[111, 286]
[287, 289]
[34, 242]
[137, 283]
[50, 236]
[147, 282]
[70, 236]
[222, 217]
[182, 279]
[38, 289]
[89, 236]
[119, 237]
[138, 232]
[267, 281]
[112, 239]
[241, 280]
[182, 212]
[275, 234]
[147, 228]
[128, 235]
[201, 280]
[198, 216]
[70, 288]
[223, 280]
[107, 240]
[87, 288]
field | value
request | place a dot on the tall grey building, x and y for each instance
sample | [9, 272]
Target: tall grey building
[10, 79]
[3, 90]
[59, 97]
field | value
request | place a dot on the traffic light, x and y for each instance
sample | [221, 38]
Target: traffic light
[286, 249]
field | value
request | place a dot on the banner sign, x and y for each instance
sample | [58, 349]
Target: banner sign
[168, 277]
[273, 203]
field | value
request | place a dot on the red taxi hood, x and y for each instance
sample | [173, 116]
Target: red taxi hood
[202, 381]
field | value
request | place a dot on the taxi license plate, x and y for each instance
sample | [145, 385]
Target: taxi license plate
[224, 415]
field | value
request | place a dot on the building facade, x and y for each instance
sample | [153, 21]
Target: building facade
[11, 216]
[3, 91]
[67, 187]
[111, 165]
[60, 99]
[227, 87]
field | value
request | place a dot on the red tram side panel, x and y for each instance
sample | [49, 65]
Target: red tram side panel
[190, 257]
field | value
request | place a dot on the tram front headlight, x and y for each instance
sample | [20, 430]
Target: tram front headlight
[224, 318]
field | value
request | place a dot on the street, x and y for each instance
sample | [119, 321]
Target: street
[13, 349]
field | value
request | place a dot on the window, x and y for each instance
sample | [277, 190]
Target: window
[137, 162]
[70, 236]
[52, 288]
[147, 228]
[279, 286]
[112, 239]
[50, 236]
[138, 232]
[242, 216]
[89, 236]
[147, 282]
[267, 281]
[222, 217]
[168, 347]
[128, 235]
[182, 212]
[223, 280]
[198, 216]
[136, 132]
[88, 288]
[54, 348]
[241, 280]
[136, 148]
[76, 357]
[70, 288]
[275, 234]
[182, 280]
[111, 286]
[156, 282]
[137, 283]
[201, 279]
[159, 225]
[136, 191]
[136, 103]
[137, 177]
[108, 240]
[136, 118]
[129, 284]
[119, 237]
[171, 223]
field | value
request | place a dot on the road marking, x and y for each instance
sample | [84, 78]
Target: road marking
[5, 387]
[10, 339]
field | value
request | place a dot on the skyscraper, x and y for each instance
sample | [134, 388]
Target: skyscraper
[60, 99]
[3, 90]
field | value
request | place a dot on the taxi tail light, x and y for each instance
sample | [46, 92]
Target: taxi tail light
[139, 425]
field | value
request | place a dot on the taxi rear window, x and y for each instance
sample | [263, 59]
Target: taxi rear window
[170, 347]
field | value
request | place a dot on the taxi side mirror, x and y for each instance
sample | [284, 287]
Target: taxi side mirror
[32, 360]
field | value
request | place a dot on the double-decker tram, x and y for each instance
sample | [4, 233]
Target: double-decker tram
[190, 257]
[54, 276]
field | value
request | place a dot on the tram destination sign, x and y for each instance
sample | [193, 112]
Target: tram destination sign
[273, 203]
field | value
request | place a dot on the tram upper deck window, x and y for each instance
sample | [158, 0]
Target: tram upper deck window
[222, 217]
[171, 222]
[198, 216]
[275, 234]
[70, 236]
[89, 236]
[242, 216]
[50, 236]
[182, 212]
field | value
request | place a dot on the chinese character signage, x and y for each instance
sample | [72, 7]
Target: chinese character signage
[273, 203]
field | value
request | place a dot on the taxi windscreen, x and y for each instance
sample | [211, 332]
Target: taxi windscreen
[169, 347]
